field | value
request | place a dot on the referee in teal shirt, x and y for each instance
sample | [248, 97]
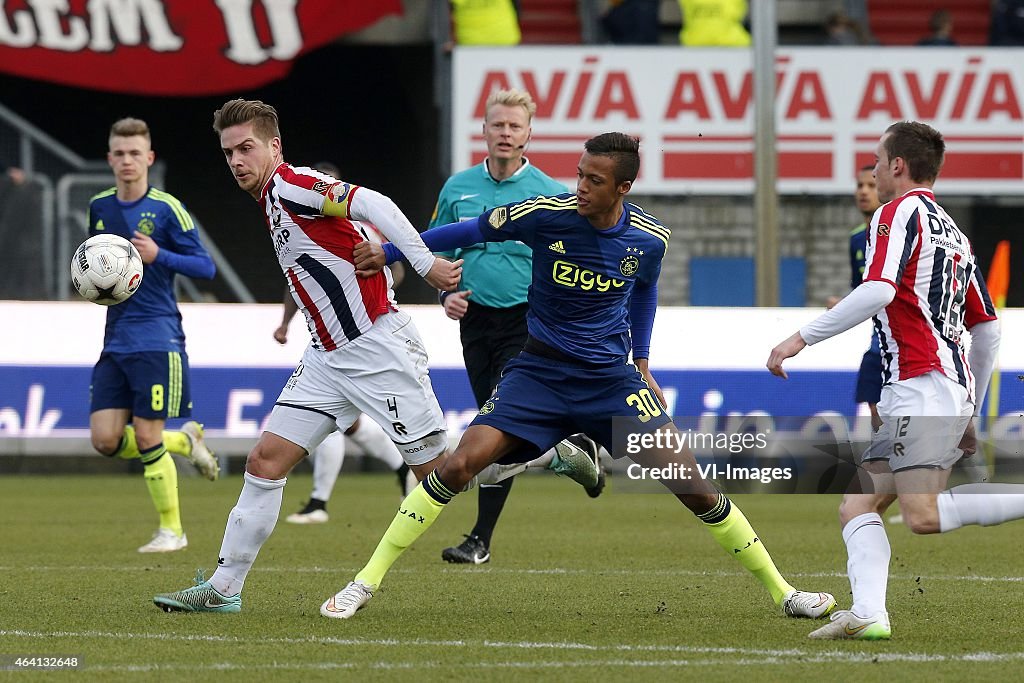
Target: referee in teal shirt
[491, 302]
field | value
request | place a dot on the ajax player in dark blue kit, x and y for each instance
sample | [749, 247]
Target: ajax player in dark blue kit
[596, 261]
[141, 378]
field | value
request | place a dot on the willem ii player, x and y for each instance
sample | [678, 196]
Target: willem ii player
[592, 300]
[922, 286]
[365, 355]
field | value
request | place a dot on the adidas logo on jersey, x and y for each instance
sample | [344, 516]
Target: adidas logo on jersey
[557, 247]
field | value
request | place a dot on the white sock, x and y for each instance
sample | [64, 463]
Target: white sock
[494, 473]
[249, 526]
[868, 550]
[543, 461]
[984, 504]
[372, 439]
[327, 460]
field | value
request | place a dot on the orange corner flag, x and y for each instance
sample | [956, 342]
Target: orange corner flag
[998, 279]
[998, 284]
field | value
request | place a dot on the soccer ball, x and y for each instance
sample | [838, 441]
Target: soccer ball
[106, 269]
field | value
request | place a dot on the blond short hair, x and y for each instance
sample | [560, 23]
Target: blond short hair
[513, 98]
[235, 112]
[129, 127]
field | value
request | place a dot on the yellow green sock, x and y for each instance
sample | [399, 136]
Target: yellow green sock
[128, 449]
[162, 480]
[178, 442]
[415, 515]
[734, 533]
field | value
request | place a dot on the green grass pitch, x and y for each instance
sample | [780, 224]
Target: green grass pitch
[625, 587]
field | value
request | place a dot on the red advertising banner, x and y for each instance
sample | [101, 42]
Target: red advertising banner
[693, 110]
[172, 47]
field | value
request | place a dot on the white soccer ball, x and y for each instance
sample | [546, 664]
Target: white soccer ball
[106, 269]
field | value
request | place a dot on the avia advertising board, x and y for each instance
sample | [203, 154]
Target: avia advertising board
[693, 110]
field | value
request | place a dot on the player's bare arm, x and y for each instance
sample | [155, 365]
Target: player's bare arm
[290, 309]
[787, 349]
[866, 300]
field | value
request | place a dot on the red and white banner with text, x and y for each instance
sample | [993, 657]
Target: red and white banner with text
[172, 47]
[693, 110]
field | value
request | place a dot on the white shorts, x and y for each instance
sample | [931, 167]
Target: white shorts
[383, 374]
[923, 420]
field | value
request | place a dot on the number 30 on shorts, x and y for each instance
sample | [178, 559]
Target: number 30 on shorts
[646, 404]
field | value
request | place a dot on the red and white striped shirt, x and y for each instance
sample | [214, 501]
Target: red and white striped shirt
[915, 246]
[315, 251]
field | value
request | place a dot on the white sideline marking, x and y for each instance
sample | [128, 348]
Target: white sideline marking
[552, 570]
[750, 656]
[611, 663]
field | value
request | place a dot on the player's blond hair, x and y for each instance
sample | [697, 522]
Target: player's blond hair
[129, 127]
[512, 98]
[262, 116]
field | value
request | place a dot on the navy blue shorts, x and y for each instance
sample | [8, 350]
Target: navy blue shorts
[869, 378]
[153, 384]
[542, 401]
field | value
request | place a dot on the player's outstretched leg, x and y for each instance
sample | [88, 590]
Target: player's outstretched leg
[982, 504]
[733, 532]
[415, 515]
[578, 463]
[479, 447]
